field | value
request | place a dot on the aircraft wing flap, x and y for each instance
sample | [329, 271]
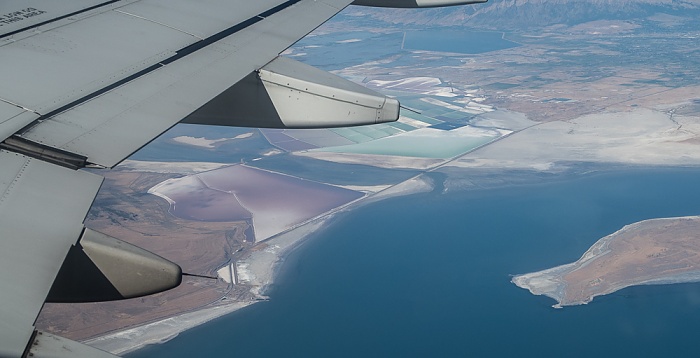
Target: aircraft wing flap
[42, 208]
[13, 118]
[201, 18]
[83, 57]
[8, 111]
[102, 129]
[85, 53]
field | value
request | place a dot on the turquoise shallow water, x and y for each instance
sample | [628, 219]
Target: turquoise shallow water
[433, 145]
[429, 275]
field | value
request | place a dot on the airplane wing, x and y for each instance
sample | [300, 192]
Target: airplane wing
[86, 83]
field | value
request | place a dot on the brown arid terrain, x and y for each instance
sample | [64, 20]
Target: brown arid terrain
[645, 252]
[600, 92]
[657, 251]
[559, 75]
[124, 210]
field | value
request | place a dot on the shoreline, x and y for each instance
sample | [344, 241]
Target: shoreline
[258, 269]
[135, 338]
[553, 282]
[260, 266]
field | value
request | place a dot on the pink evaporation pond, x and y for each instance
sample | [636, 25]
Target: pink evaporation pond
[274, 202]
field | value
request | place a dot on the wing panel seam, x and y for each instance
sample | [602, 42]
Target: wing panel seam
[178, 55]
[9, 188]
[19, 106]
[158, 23]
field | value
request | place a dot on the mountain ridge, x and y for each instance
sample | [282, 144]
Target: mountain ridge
[533, 14]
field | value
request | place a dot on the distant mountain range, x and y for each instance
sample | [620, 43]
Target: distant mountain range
[529, 14]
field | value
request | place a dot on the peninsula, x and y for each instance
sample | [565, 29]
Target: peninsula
[656, 251]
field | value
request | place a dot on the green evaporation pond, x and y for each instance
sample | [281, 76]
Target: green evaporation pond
[368, 133]
[457, 116]
[403, 126]
[420, 117]
[372, 132]
[424, 143]
[436, 111]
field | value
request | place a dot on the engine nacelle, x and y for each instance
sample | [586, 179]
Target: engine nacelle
[415, 3]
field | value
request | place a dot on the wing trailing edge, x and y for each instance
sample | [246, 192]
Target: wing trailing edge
[289, 94]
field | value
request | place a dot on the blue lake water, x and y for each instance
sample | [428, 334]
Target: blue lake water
[429, 276]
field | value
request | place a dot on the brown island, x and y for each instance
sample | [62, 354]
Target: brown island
[656, 251]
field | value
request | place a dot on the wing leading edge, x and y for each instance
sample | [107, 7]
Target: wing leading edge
[89, 82]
